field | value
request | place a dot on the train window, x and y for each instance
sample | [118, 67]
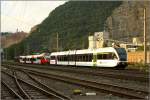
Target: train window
[105, 56]
[52, 57]
[58, 57]
[90, 56]
[82, 58]
[24, 59]
[102, 56]
[65, 58]
[61, 58]
[27, 59]
[77, 57]
[71, 57]
[33, 59]
[109, 56]
[39, 57]
[85, 57]
[99, 56]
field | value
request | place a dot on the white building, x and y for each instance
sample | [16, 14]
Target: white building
[98, 40]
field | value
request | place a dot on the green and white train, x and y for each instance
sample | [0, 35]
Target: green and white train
[102, 57]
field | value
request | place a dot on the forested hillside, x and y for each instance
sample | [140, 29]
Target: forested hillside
[74, 22]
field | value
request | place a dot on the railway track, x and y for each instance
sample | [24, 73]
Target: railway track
[30, 91]
[118, 74]
[8, 93]
[56, 93]
[115, 90]
[130, 71]
[16, 88]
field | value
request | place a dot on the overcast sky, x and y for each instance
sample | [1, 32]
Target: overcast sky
[25, 14]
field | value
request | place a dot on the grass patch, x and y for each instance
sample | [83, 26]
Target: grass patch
[139, 66]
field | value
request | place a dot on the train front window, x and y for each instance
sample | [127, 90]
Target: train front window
[122, 53]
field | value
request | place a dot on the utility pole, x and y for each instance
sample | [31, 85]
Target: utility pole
[6, 55]
[57, 41]
[145, 42]
[15, 52]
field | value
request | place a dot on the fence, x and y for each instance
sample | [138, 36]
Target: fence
[138, 57]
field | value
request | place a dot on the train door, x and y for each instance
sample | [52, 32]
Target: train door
[32, 60]
[72, 60]
[94, 59]
[72, 57]
[53, 59]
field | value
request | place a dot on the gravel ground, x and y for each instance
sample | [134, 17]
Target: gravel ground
[125, 83]
[132, 72]
[5, 94]
[10, 81]
[33, 93]
[66, 88]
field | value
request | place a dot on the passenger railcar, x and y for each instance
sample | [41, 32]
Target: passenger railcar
[22, 59]
[102, 57]
[33, 59]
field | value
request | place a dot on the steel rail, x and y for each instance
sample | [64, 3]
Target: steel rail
[47, 88]
[12, 90]
[116, 90]
[25, 95]
[114, 75]
[136, 71]
[37, 88]
[130, 71]
[132, 93]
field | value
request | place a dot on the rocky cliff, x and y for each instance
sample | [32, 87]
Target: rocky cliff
[127, 21]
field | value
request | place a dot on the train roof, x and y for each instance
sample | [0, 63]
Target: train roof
[84, 51]
[31, 56]
[108, 49]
